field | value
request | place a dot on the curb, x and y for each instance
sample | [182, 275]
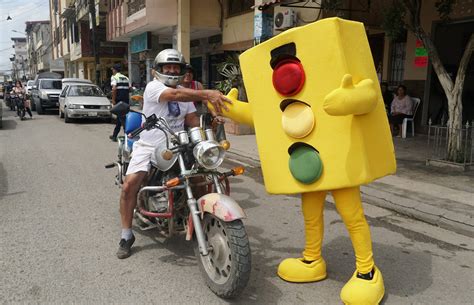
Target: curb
[456, 222]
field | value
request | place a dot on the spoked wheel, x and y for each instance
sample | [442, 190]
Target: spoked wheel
[226, 268]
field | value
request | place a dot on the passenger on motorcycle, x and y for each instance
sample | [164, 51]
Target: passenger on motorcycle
[20, 94]
[165, 98]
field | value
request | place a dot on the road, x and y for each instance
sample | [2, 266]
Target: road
[60, 231]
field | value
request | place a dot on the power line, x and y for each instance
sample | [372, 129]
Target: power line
[16, 8]
[3, 50]
[24, 12]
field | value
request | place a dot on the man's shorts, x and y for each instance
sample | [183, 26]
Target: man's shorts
[141, 157]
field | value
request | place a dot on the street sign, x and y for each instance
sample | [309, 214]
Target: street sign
[140, 43]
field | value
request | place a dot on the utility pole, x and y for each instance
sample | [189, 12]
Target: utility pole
[95, 49]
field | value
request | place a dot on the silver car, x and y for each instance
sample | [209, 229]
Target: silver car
[82, 100]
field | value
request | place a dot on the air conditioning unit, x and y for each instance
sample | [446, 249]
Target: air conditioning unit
[283, 18]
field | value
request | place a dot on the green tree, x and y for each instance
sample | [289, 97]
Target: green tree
[406, 14]
[230, 69]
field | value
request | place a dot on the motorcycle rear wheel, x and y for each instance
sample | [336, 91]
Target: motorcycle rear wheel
[226, 269]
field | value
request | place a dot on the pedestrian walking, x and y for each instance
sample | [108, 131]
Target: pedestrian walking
[120, 93]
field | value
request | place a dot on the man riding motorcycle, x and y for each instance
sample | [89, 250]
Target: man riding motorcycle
[165, 98]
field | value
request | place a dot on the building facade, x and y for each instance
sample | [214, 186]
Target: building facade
[403, 61]
[149, 26]
[19, 59]
[39, 46]
[79, 42]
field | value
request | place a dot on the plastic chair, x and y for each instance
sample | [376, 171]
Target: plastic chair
[416, 103]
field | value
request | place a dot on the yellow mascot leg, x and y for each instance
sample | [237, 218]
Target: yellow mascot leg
[366, 284]
[311, 267]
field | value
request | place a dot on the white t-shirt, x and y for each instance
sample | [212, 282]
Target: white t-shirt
[152, 104]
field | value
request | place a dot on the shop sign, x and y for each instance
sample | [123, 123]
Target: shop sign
[421, 55]
[140, 42]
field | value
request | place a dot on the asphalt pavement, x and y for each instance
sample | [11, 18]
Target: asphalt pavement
[60, 230]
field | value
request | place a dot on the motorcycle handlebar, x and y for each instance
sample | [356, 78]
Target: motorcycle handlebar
[136, 132]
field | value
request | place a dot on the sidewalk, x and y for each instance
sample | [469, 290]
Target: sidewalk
[439, 196]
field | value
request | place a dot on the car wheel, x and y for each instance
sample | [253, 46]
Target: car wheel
[39, 108]
[66, 118]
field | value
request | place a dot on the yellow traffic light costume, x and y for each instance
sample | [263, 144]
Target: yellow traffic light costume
[320, 126]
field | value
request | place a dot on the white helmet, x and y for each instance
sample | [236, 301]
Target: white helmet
[169, 56]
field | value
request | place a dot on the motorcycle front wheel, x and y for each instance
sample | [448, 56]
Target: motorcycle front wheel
[226, 268]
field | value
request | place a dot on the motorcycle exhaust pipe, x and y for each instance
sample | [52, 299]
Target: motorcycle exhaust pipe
[150, 225]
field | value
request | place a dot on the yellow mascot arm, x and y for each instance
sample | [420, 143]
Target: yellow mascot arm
[238, 111]
[349, 99]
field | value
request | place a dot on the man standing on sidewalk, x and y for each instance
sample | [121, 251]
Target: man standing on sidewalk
[120, 92]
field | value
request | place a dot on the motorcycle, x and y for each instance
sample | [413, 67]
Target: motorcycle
[13, 100]
[20, 106]
[185, 165]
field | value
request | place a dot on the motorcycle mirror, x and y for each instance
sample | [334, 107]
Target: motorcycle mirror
[120, 109]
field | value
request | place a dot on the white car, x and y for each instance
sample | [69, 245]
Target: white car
[29, 86]
[83, 100]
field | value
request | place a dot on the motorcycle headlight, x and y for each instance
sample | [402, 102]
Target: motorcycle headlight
[209, 154]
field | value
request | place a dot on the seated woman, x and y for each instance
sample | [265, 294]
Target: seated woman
[402, 107]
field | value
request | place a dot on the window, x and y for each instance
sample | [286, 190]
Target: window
[63, 93]
[74, 32]
[56, 35]
[64, 29]
[85, 91]
[239, 6]
[51, 84]
[397, 63]
[397, 60]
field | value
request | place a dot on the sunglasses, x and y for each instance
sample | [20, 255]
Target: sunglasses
[173, 109]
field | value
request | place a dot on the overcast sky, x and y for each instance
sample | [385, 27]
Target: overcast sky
[20, 11]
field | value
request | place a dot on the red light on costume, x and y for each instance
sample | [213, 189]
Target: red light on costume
[288, 77]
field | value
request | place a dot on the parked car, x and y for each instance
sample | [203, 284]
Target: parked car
[29, 86]
[1, 90]
[39, 96]
[67, 81]
[83, 100]
[47, 94]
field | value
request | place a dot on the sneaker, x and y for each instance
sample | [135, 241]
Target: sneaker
[114, 139]
[125, 246]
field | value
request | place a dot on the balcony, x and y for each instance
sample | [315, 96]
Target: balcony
[82, 9]
[134, 17]
[135, 6]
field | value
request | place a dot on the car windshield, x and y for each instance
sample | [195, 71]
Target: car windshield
[85, 91]
[51, 84]
[30, 83]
